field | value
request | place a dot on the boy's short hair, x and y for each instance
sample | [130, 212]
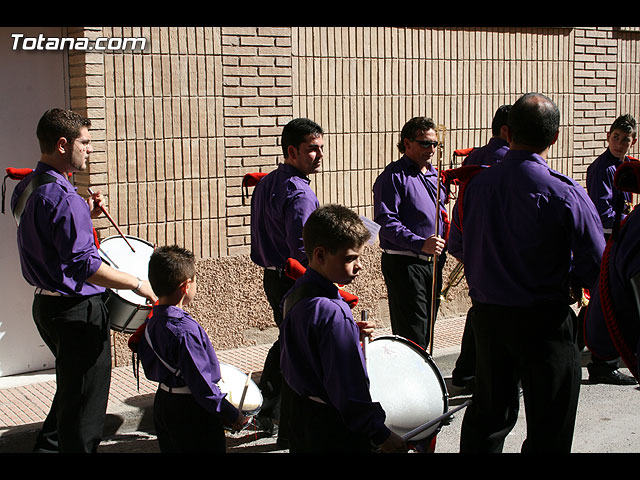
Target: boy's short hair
[169, 266]
[295, 133]
[57, 123]
[333, 227]
[625, 123]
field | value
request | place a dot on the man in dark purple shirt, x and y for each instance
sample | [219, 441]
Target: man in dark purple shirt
[528, 234]
[280, 205]
[493, 152]
[59, 258]
[404, 202]
[609, 202]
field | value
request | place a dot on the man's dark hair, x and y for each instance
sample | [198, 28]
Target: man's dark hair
[333, 227]
[169, 266]
[500, 119]
[625, 123]
[534, 121]
[413, 128]
[295, 132]
[57, 123]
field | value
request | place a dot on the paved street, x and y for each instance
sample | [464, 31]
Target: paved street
[608, 422]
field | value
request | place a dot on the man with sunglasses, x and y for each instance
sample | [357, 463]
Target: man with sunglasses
[405, 196]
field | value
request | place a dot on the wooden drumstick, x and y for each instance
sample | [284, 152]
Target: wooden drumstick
[365, 340]
[244, 391]
[409, 435]
[113, 223]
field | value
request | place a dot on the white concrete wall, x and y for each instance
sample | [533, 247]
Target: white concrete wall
[30, 83]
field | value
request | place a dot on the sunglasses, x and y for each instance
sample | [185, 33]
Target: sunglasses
[427, 143]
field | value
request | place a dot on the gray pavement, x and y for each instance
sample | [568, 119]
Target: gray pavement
[608, 421]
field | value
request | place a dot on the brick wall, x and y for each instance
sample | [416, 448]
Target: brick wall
[177, 126]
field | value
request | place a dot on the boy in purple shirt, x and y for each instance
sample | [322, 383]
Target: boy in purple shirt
[322, 361]
[609, 202]
[189, 410]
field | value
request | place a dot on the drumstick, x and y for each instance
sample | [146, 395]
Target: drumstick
[113, 223]
[244, 391]
[365, 340]
[409, 435]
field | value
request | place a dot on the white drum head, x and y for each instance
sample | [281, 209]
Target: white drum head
[408, 385]
[115, 251]
[232, 382]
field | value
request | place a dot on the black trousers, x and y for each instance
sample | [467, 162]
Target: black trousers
[465, 366]
[409, 282]
[183, 426]
[276, 284]
[318, 428]
[534, 346]
[76, 330]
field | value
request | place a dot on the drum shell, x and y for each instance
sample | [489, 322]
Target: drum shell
[127, 310]
[406, 382]
[125, 316]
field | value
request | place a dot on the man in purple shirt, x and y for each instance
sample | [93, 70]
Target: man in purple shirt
[609, 202]
[322, 360]
[528, 234]
[404, 202]
[464, 371]
[59, 258]
[280, 205]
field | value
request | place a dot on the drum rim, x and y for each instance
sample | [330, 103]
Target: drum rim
[141, 240]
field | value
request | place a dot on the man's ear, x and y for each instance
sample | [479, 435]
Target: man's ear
[61, 145]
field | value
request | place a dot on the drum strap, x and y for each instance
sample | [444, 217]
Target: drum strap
[175, 371]
[306, 290]
[36, 182]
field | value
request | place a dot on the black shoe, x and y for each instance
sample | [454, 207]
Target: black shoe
[46, 443]
[467, 384]
[265, 424]
[614, 377]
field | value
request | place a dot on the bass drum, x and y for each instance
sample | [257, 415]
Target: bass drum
[127, 310]
[407, 383]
